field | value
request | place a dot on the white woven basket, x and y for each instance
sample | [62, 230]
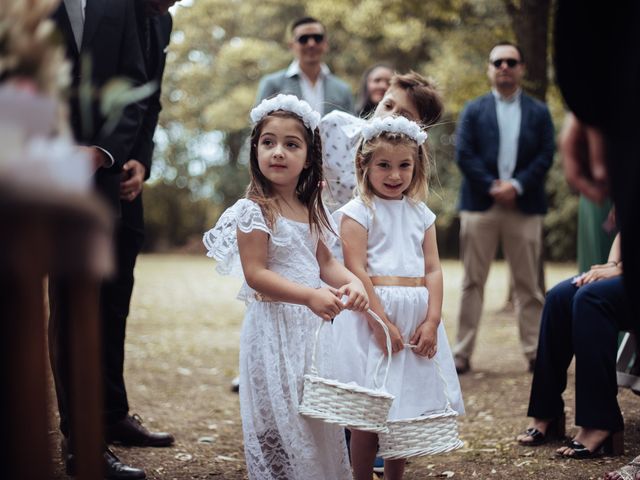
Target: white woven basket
[425, 435]
[349, 405]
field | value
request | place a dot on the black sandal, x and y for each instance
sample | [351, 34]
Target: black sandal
[537, 438]
[612, 445]
[580, 452]
[555, 431]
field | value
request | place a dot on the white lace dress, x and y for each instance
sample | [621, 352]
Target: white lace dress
[395, 232]
[275, 351]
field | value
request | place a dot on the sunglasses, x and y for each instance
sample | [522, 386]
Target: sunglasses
[511, 62]
[304, 39]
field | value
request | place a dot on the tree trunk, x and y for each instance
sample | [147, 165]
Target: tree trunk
[530, 20]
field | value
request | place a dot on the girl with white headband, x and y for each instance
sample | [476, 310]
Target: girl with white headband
[389, 241]
[279, 237]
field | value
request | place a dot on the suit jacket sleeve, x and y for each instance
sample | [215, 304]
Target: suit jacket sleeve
[348, 101]
[143, 148]
[468, 158]
[266, 88]
[120, 141]
[532, 175]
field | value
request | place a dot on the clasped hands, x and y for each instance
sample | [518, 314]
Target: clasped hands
[598, 272]
[424, 340]
[504, 193]
[326, 302]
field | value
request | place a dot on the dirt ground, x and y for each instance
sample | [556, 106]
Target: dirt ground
[182, 348]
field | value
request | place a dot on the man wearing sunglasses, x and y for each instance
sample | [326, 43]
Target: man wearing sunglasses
[504, 148]
[307, 77]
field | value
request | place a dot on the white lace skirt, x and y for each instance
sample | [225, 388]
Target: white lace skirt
[412, 379]
[275, 351]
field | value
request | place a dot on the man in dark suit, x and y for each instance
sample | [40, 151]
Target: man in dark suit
[504, 148]
[308, 77]
[104, 32]
[154, 29]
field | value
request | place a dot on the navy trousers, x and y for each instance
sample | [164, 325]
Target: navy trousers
[582, 322]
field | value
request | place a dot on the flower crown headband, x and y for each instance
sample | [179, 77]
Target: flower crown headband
[403, 125]
[288, 103]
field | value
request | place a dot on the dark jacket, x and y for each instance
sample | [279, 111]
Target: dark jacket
[155, 33]
[110, 41]
[337, 94]
[477, 145]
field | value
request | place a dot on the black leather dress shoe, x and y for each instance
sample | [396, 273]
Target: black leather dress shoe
[130, 432]
[112, 467]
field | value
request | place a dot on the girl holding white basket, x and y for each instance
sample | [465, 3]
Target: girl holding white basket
[279, 237]
[389, 242]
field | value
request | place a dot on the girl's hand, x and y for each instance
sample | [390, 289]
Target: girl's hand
[397, 342]
[425, 338]
[325, 302]
[358, 298]
[598, 272]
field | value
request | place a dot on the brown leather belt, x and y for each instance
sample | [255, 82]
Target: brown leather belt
[394, 281]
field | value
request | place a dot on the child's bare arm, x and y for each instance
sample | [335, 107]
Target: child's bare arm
[324, 302]
[337, 275]
[425, 337]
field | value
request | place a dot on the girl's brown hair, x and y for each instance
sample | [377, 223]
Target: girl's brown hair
[309, 184]
[417, 190]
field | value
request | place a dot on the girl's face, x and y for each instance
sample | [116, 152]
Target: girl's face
[282, 152]
[396, 101]
[378, 83]
[391, 170]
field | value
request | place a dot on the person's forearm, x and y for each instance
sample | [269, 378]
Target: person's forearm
[374, 302]
[278, 288]
[336, 274]
[433, 281]
[615, 253]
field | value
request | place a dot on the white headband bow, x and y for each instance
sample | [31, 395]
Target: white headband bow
[288, 103]
[402, 125]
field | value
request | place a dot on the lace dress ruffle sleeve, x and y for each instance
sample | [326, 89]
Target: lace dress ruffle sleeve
[222, 240]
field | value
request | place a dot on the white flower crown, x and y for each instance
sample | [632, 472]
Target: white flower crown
[402, 125]
[288, 103]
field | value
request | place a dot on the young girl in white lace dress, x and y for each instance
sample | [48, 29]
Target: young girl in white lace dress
[279, 236]
[389, 242]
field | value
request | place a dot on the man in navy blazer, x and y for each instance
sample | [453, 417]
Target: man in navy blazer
[307, 77]
[504, 148]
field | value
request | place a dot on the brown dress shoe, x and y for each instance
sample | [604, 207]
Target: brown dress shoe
[130, 432]
[462, 365]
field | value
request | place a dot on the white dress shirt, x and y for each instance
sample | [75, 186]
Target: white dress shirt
[312, 94]
[509, 114]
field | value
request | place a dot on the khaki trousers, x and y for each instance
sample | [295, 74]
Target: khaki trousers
[520, 236]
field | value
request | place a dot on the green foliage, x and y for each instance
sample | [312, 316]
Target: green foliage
[221, 49]
[173, 216]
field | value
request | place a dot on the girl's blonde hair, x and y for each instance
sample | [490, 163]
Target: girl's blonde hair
[309, 184]
[417, 190]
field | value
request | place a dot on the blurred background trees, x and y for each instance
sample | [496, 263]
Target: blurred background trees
[220, 49]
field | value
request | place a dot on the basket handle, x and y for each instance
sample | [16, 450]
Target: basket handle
[389, 352]
[440, 375]
[314, 369]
